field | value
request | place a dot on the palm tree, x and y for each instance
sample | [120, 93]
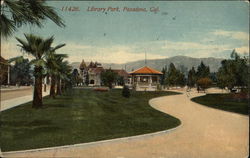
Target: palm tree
[39, 48]
[52, 66]
[15, 13]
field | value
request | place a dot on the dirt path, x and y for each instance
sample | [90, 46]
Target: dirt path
[204, 133]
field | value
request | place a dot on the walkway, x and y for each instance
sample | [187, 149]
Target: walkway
[204, 133]
[15, 97]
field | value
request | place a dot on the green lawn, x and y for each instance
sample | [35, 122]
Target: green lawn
[81, 116]
[224, 102]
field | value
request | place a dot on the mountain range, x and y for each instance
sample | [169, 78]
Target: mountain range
[158, 64]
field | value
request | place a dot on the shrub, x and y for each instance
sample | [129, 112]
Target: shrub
[125, 92]
[204, 83]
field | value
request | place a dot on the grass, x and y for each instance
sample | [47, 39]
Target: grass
[224, 102]
[81, 116]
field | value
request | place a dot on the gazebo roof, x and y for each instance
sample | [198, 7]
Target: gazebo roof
[146, 70]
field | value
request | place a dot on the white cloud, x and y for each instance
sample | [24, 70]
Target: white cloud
[194, 47]
[242, 50]
[9, 50]
[232, 34]
[115, 54]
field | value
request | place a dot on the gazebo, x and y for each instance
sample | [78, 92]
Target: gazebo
[145, 79]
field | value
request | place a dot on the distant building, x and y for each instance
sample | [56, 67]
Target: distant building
[145, 79]
[93, 71]
[4, 67]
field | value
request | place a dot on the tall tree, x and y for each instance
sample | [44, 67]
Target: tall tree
[191, 77]
[164, 75]
[233, 72]
[171, 75]
[52, 66]
[15, 13]
[38, 48]
[203, 71]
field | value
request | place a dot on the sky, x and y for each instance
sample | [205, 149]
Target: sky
[159, 29]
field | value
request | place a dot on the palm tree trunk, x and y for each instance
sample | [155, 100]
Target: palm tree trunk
[52, 87]
[58, 91]
[38, 96]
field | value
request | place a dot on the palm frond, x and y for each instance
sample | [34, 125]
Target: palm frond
[7, 26]
[58, 46]
[16, 59]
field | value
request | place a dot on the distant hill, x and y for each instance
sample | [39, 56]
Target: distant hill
[158, 64]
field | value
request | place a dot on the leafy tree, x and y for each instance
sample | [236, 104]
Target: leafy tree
[87, 79]
[120, 80]
[38, 48]
[174, 76]
[75, 76]
[191, 77]
[15, 13]
[108, 77]
[203, 71]
[125, 91]
[204, 83]
[21, 72]
[233, 72]
[164, 75]
[171, 75]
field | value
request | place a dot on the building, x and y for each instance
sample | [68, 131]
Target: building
[91, 74]
[95, 76]
[4, 73]
[145, 79]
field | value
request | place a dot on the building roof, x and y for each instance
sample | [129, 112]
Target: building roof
[83, 65]
[3, 61]
[96, 70]
[120, 72]
[146, 70]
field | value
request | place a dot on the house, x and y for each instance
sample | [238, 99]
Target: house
[95, 76]
[145, 79]
[91, 74]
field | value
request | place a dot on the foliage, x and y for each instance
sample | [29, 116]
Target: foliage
[108, 77]
[87, 79]
[174, 76]
[120, 80]
[125, 91]
[191, 78]
[39, 49]
[233, 72]
[74, 77]
[21, 72]
[204, 83]
[16, 13]
[203, 71]
[164, 75]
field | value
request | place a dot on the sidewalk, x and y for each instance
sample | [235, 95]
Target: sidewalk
[7, 104]
[11, 88]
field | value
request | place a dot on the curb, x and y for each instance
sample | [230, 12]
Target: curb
[100, 142]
